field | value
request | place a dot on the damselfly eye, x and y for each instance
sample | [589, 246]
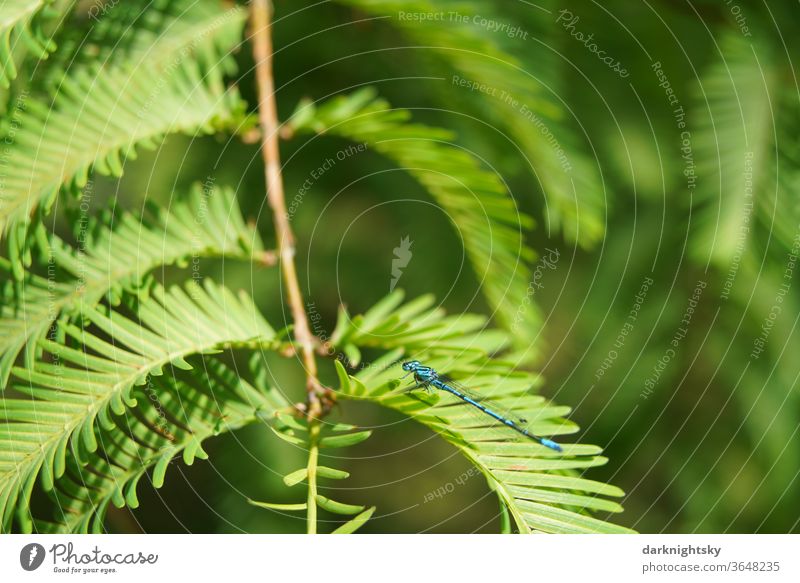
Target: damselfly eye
[411, 365]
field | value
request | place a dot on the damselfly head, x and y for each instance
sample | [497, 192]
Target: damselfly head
[411, 365]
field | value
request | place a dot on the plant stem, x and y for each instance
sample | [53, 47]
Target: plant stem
[268, 116]
[313, 457]
[261, 12]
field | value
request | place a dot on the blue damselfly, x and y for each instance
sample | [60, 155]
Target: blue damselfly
[428, 377]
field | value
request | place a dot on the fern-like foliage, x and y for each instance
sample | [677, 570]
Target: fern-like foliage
[110, 394]
[779, 210]
[102, 110]
[19, 25]
[118, 256]
[174, 415]
[570, 180]
[315, 438]
[735, 147]
[541, 489]
[117, 379]
[412, 326]
[87, 378]
[475, 199]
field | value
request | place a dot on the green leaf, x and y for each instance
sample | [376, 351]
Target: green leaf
[337, 507]
[20, 25]
[288, 437]
[344, 440]
[344, 379]
[300, 475]
[295, 477]
[356, 523]
[343, 427]
[274, 506]
[290, 422]
[331, 473]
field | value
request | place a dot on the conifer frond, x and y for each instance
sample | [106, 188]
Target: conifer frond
[102, 111]
[116, 257]
[569, 178]
[735, 148]
[542, 489]
[415, 325]
[19, 26]
[475, 199]
[174, 415]
[91, 373]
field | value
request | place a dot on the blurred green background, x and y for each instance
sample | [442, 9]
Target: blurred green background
[713, 446]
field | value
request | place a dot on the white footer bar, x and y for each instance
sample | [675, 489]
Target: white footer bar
[371, 558]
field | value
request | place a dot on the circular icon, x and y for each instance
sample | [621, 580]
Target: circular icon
[31, 556]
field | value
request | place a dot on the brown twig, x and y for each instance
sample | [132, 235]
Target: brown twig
[268, 116]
